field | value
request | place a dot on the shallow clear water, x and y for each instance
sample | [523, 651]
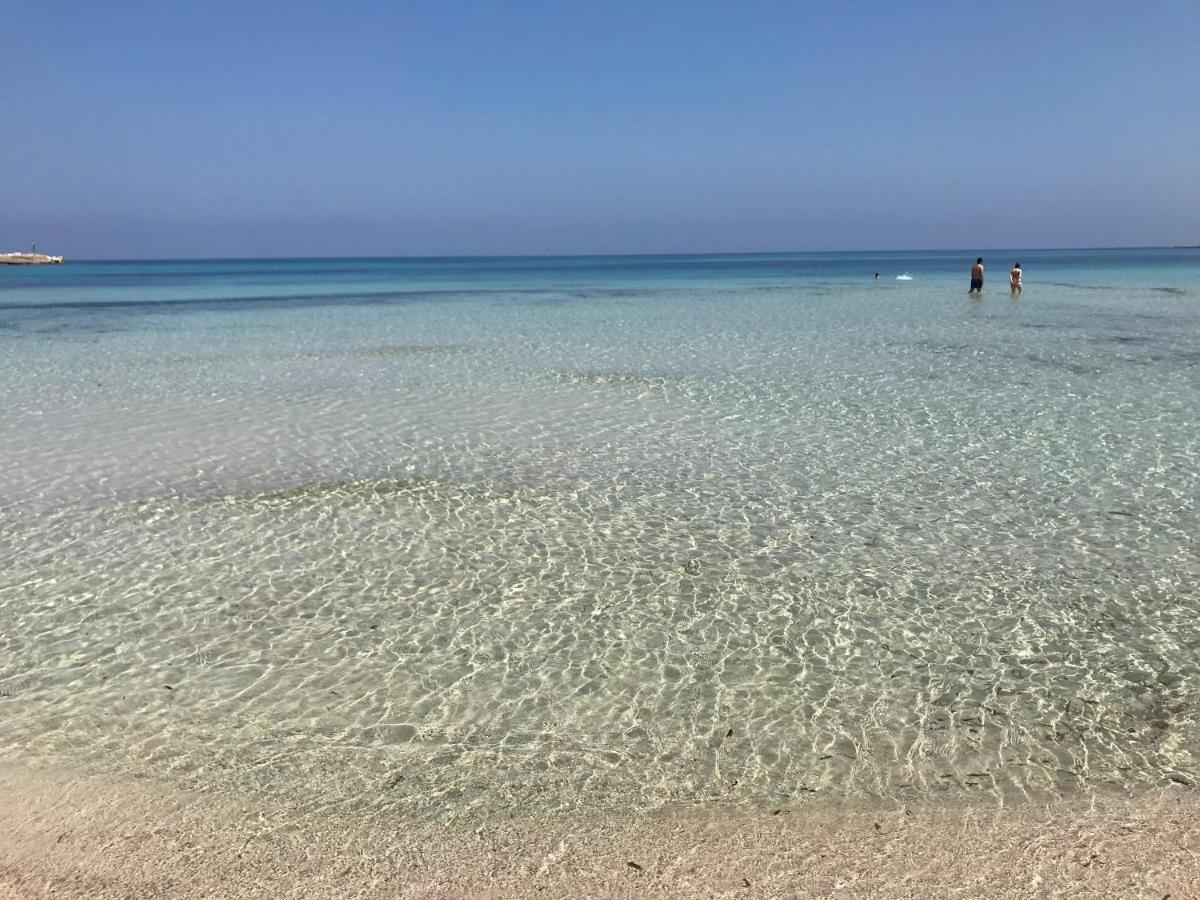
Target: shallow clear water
[441, 537]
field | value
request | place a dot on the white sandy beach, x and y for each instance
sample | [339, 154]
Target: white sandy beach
[63, 835]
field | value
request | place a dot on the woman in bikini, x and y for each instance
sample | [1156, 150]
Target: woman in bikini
[1014, 280]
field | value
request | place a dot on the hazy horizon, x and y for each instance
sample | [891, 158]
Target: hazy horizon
[966, 251]
[454, 129]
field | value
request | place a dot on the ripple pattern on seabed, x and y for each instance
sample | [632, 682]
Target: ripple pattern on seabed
[603, 554]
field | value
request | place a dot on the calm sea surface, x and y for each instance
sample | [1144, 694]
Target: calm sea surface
[481, 537]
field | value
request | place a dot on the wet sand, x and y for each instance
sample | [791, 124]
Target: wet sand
[65, 835]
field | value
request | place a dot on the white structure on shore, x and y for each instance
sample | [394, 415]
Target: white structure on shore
[29, 259]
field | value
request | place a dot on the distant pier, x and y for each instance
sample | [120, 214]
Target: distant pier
[30, 259]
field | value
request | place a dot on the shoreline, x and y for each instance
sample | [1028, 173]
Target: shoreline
[68, 835]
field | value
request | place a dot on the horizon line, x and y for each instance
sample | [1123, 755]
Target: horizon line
[694, 253]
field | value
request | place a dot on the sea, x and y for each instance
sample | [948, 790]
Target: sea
[458, 539]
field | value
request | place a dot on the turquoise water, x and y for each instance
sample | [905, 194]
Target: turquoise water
[479, 537]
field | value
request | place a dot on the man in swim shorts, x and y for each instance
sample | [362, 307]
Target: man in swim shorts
[1014, 280]
[976, 277]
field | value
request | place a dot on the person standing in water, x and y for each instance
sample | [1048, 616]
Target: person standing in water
[1014, 280]
[976, 277]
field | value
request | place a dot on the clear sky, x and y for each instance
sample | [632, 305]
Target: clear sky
[411, 128]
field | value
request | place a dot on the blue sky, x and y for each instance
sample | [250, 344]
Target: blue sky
[245, 129]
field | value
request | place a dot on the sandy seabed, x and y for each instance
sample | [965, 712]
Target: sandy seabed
[66, 835]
